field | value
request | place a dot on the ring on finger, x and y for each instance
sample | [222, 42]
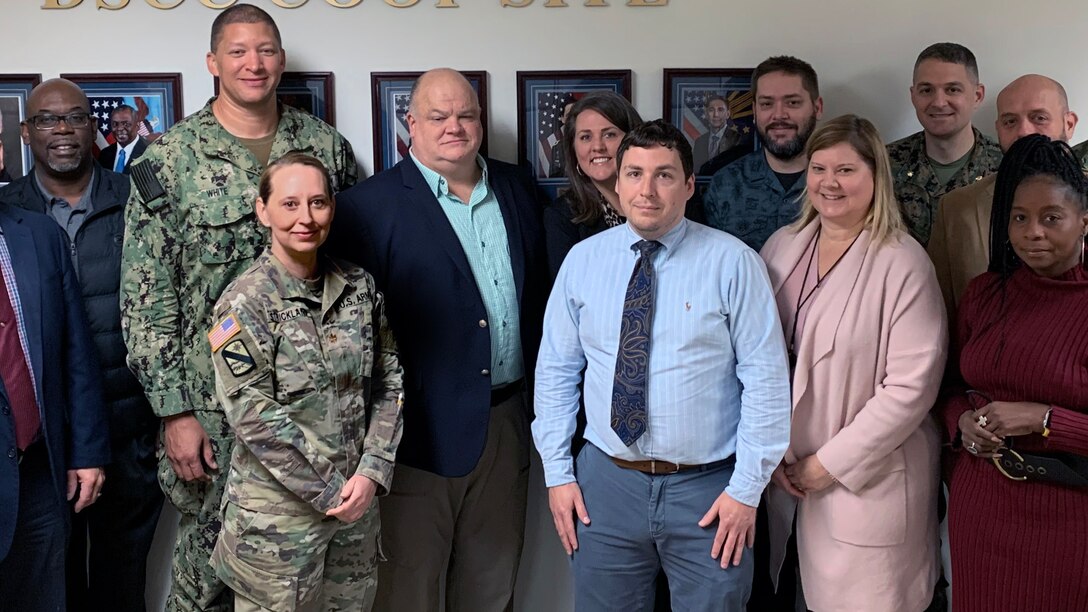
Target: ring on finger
[982, 420]
[971, 448]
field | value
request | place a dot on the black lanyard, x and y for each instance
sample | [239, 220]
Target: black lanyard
[802, 298]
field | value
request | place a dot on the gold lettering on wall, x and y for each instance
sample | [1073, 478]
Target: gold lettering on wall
[401, 3]
[286, 4]
[348, 4]
[555, 3]
[59, 4]
[103, 4]
[446, 4]
[214, 5]
[115, 5]
[596, 3]
[515, 3]
[647, 2]
[159, 4]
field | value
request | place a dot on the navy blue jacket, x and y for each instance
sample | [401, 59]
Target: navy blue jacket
[63, 359]
[394, 227]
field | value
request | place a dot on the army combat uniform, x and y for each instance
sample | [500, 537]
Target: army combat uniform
[190, 229]
[308, 377]
[916, 186]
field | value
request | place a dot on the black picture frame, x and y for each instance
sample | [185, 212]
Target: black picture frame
[14, 93]
[686, 95]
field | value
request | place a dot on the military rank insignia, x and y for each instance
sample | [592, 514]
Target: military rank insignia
[237, 357]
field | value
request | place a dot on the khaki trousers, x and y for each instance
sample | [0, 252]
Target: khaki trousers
[469, 530]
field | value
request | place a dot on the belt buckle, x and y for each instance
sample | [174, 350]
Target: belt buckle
[1017, 457]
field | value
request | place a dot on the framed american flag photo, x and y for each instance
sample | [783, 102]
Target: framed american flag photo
[544, 98]
[16, 158]
[390, 94]
[714, 109]
[156, 98]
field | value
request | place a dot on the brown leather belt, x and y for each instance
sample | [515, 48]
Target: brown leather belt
[656, 466]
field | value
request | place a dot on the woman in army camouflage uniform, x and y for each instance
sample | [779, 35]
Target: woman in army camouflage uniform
[307, 372]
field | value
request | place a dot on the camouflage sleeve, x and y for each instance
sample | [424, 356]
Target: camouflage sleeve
[387, 399]
[150, 316]
[245, 385]
[346, 173]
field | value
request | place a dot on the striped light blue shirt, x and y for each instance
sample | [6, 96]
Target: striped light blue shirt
[718, 375]
[480, 229]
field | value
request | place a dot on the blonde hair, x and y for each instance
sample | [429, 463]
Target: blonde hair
[884, 219]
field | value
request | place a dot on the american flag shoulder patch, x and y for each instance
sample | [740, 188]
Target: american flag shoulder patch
[223, 331]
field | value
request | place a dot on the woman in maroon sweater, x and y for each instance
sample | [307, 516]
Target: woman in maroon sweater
[1022, 396]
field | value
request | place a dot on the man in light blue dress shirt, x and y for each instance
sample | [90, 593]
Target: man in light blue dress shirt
[715, 413]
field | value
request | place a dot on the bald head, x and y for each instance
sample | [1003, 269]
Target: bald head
[56, 87]
[1033, 104]
[63, 151]
[439, 78]
[444, 122]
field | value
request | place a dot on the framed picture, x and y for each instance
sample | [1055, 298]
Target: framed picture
[714, 109]
[155, 96]
[390, 93]
[313, 92]
[14, 92]
[544, 99]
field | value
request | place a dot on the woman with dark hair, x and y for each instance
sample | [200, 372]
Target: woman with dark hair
[594, 128]
[1015, 408]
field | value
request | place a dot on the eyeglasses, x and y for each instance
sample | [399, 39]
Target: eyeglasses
[49, 122]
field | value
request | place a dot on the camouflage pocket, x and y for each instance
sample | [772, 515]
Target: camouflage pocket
[187, 497]
[227, 230]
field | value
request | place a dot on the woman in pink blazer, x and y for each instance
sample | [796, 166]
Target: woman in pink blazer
[865, 325]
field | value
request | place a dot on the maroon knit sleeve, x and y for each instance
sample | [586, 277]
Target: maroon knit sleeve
[952, 401]
[1068, 431]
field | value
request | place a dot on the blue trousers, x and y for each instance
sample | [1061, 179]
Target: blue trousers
[640, 523]
[32, 574]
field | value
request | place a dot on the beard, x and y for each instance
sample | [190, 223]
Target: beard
[791, 148]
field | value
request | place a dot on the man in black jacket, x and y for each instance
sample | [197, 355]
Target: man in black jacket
[88, 204]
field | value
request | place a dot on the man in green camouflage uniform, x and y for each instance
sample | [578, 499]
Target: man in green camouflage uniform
[190, 229]
[309, 380]
[949, 152]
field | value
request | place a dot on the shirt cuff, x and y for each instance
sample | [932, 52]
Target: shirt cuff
[747, 493]
[168, 403]
[559, 472]
[329, 498]
[377, 469]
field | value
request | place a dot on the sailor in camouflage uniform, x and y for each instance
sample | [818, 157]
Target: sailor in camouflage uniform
[190, 230]
[949, 152]
[308, 376]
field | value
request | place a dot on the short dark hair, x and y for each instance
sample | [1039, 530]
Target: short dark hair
[242, 13]
[658, 133]
[713, 97]
[582, 193]
[1034, 155]
[789, 65]
[122, 107]
[952, 53]
[292, 158]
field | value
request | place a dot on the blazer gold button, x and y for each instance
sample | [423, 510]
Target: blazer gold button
[483, 322]
[485, 372]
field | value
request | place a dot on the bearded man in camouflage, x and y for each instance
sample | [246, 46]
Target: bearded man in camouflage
[190, 229]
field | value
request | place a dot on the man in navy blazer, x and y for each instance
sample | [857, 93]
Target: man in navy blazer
[455, 244]
[54, 437]
[126, 138]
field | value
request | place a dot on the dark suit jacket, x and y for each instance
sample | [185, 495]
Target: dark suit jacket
[108, 156]
[65, 369]
[393, 226]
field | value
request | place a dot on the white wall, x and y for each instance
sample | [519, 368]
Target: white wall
[862, 49]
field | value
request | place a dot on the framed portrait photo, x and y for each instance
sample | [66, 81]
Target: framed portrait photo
[544, 99]
[714, 109]
[14, 91]
[390, 93]
[313, 92]
[156, 98]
